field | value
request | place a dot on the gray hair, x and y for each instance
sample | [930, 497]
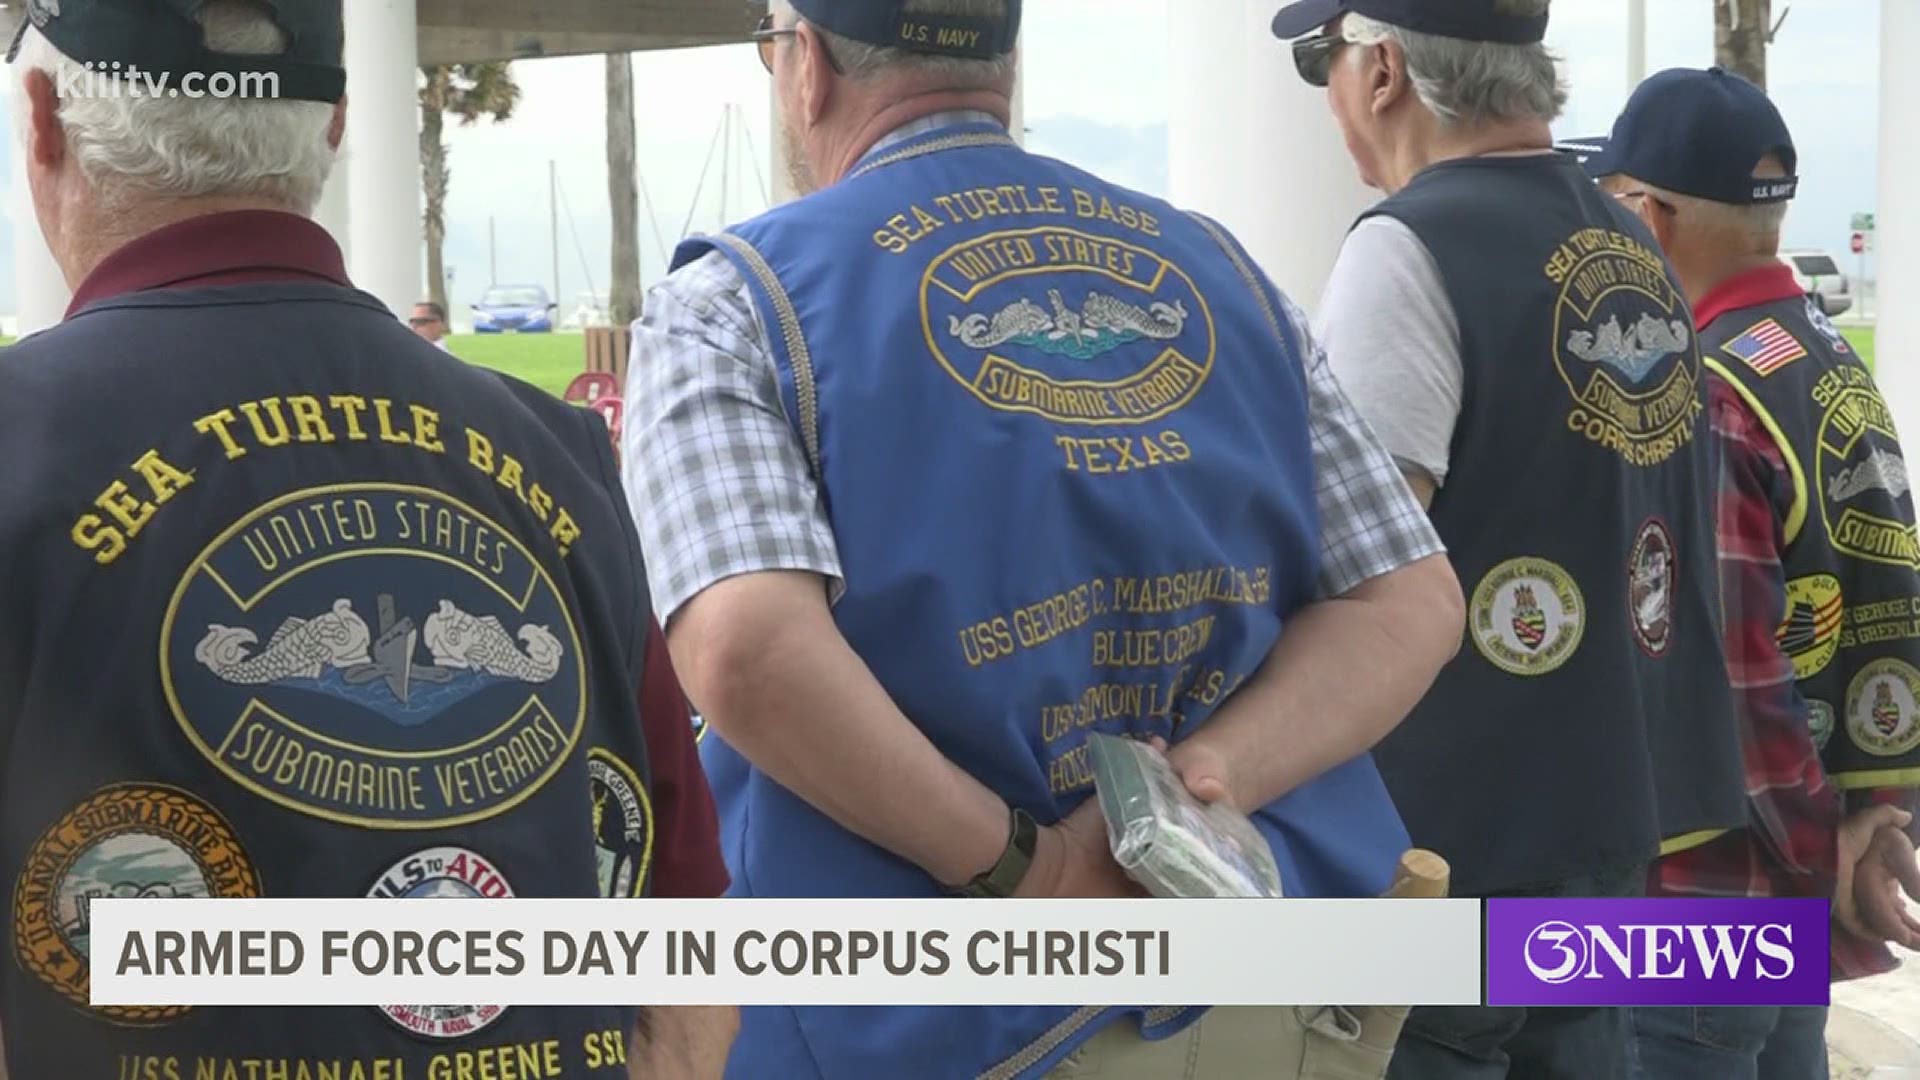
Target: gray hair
[863, 61]
[129, 147]
[1757, 225]
[1471, 83]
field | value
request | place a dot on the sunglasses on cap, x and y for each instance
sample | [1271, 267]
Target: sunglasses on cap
[766, 36]
[1313, 57]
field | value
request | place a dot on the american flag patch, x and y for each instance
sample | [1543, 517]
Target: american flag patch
[1766, 348]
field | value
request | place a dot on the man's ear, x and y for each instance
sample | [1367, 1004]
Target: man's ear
[337, 129]
[46, 137]
[1387, 78]
[816, 73]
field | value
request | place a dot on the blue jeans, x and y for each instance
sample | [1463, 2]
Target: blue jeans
[1488, 1043]
[1730, 1043]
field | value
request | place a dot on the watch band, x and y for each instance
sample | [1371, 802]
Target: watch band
[1003, 878]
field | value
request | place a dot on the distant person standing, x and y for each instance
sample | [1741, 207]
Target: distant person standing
[1819, 561]
[429, 320]
[1516, 340]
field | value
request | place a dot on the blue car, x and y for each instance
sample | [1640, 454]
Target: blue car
[523, 309]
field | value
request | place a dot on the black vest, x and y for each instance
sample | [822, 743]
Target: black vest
[300, 606]
[1852, 619]
[1587, 716]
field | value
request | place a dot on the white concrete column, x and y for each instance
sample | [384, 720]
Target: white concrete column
[1897, 343]
[1636, 43]
[383, 171]
[40, 290]
[1254, 147]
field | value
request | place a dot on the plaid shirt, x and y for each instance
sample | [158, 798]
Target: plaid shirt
[1791, 844]
[720, 485]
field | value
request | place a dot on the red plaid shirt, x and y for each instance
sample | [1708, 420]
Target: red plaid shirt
[1791, 844]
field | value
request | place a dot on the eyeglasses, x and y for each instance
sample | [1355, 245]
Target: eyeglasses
[1623, 196]
[422, 320]
[766, 36]
[1313, 57]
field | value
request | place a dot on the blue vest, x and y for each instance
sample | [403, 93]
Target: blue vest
[1061, 435]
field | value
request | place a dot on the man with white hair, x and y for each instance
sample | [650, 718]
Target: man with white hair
[1819, 568]
[969, 454]
[1527, 356]
[297, 605]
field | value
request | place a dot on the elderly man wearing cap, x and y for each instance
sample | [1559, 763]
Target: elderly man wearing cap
[1520, 346]
[1818, 564]
[967, 455]
[297, 605]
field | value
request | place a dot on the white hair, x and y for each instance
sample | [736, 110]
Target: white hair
[1758, 225]
[132, 147]
[860, 60]
[1470, 83]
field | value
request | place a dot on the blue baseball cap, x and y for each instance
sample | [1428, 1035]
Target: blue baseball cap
[164, 38]
[1469, 20]
[1699, 133]
[888, 23]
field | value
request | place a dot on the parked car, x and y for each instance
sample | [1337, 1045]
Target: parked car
[525, 309]
[1822, 280]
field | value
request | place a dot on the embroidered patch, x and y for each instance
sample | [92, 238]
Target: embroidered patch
[1624, 346]
[1651, 578]
[699, 729]
[1822, 323]
[622, 825]
[441, 873]
[1820, 722]
[375, 655]
[1883, 708]
[1766, 347]
[1864, 493]
[1115, 333]
[1810, 634]
[1527, 616]
[125, 840]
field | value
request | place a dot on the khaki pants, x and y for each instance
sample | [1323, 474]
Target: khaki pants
[1278, 1043]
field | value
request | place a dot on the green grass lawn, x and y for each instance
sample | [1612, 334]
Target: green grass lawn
[548, 361]
[1862, 340]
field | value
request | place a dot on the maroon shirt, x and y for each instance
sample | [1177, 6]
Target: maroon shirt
[257, 246]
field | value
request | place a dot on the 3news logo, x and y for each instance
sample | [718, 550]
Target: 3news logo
[1657, 952]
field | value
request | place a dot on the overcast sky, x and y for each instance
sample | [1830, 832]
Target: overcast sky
[1096, 94]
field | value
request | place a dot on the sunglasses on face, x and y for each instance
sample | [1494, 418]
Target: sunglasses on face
[422, 320]
[1313, 57]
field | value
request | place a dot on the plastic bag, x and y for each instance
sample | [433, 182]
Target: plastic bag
[1167, 840]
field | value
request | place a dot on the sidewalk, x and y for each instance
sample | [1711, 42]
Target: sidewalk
[1873, 1032]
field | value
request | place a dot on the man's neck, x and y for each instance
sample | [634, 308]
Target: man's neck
[1699, 281]
[845, 153]
[1433, 144]
[105, 231]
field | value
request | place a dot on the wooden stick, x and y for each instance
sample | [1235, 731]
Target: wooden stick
[1422, 875]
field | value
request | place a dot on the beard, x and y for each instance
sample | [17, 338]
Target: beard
[799, 168]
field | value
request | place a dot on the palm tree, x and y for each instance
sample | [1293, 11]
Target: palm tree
[623, 301]
[469, 92]
[1741, 31]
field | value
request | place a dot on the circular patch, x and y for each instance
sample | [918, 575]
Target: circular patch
[1652, 571]
[1810, 634]
[1861, 477]
[1113, 334]
[1820, 723]
[1883, 708]
[125, 840]
[442, 873]
[375, 655]
[622, 825]
[1624, 344]
[699, 729]
[1528, 616]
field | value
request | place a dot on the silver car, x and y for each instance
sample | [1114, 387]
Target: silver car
[1820, 277]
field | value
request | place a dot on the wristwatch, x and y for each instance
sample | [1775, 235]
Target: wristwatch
[1002, 878]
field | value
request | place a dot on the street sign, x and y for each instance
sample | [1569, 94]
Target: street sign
[1863, 223]
[1859, 243]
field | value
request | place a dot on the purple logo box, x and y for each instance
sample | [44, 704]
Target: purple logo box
[1657, 952]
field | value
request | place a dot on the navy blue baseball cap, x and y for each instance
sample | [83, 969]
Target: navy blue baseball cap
[1469, 20]
[888, 23]
[163, 38]
[1699, 133]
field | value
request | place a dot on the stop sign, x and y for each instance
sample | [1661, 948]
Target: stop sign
[1859, 243]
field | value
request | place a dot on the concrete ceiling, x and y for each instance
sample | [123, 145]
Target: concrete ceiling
[454, 31]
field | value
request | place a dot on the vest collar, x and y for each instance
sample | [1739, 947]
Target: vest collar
[235, 248]
[1764, 285]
